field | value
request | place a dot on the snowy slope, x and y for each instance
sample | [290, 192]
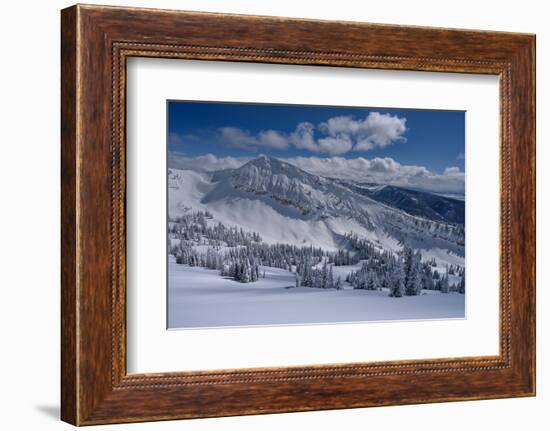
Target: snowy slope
[288, 205]
[423, 204]
[199, 297]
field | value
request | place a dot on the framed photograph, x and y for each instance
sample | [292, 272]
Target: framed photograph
[294, 226]
[259, 216]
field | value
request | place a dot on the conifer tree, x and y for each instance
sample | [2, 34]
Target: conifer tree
[444, 284]
[462, 285]
[397, 280]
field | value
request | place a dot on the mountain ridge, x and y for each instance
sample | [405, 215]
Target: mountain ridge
[286, 204]
[268, 175]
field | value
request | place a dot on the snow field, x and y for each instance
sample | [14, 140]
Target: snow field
[199, 298]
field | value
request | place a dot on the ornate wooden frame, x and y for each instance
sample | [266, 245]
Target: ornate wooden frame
[95, 43]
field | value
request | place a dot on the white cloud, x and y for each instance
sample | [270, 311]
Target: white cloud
[381, 130]
[338, 135]
[239, 138]
[375, 130]
[378, 170]
[302, 137]
[341, 124]
[339, 144]
[235, 137]
[383, 165]
[384, 171]
[451, 170]
[206, 163]
[273, 139]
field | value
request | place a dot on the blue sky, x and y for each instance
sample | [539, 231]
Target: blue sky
[428, 138]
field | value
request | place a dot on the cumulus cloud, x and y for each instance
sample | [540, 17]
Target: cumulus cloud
[385, 164]
[377, 170]
[339, 144]
[341, 124]
[238, 138]
[302, 137]
[381, 130]
[375, 130]
[272, 139]
[384, 171]
[451, 170]
[337, 135]
[205, 163]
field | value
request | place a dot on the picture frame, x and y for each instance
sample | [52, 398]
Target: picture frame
[96, 42]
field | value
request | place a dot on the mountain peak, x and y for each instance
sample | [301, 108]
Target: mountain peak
[269, 164]
[263, 160]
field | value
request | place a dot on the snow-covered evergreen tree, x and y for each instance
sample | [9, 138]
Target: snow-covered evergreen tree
[330, 279]
[462, 285]
[413, 271]
[397, 280]
[238, 254]
[372, 282]
[444, 284]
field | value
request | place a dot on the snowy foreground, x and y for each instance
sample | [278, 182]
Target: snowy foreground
[199, 297]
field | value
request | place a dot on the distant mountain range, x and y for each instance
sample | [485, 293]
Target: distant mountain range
[423, 204]
[287, 204]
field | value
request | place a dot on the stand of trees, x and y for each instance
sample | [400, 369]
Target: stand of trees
[243, 271]
[341, 258]
[194, 227]
[321, 278]
[402, 275]
[238, 254]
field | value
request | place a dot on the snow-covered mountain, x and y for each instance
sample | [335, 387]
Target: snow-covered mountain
[423, 204]
[286, 204]
[303, 195]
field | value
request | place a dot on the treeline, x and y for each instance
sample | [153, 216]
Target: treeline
[395, 223]
[403, 275]
[186, 254]
[240, 262]
[364, 249]
[194, 226]
[284, 256]
[322, 278]
[238, 254]
[243, 271]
